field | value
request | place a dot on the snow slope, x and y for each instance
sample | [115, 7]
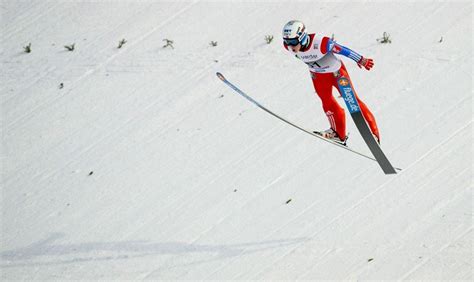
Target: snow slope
[145, 166]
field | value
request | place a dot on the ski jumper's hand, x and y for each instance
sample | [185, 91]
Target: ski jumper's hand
[366, 63]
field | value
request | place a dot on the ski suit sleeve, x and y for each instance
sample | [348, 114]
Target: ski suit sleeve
[330, 46]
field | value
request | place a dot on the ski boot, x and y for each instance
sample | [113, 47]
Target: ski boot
[332, 135]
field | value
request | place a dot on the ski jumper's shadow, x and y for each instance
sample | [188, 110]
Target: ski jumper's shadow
[49, 252]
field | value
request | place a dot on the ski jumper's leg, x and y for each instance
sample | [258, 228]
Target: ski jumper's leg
[323, 83]
[368, 116]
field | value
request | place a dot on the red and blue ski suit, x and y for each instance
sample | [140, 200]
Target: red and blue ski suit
[326, 69]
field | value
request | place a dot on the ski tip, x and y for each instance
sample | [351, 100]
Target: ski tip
[220, 76]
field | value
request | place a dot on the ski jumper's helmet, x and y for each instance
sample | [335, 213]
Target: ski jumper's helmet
[294, 33]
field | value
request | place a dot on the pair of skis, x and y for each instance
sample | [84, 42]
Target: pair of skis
[354, 109]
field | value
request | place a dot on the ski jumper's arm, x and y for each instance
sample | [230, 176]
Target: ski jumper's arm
[328, 45]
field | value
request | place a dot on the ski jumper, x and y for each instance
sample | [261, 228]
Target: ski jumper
[326, 69]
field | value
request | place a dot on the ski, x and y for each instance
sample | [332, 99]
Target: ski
[348, 95]
[253, 101]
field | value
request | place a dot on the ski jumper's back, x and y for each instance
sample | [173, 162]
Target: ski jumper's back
[320, 56]
[316, 55]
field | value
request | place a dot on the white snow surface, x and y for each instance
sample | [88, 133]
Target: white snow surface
[144, 165]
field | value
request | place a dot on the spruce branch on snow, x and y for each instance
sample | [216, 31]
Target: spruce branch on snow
[27, 48]
[385, 38]
[121, 43]
[169, 43]
[70, 47]
[269, 38]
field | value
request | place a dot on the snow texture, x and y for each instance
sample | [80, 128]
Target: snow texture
[138, 163]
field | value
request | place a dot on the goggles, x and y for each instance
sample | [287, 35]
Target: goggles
[291, 41]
